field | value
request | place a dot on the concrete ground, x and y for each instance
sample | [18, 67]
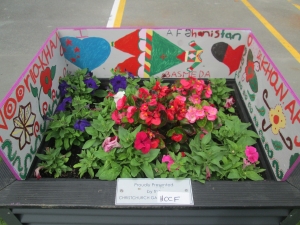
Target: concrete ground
[25, 25]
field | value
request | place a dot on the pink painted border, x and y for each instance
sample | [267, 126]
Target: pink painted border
[9, 93]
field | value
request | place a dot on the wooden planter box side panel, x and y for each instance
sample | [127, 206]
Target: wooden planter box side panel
[273, 107]
[33, 95]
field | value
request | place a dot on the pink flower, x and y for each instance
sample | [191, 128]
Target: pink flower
[246, 163]
[195, 99]
[180, 98]
[117, 117]
[109, 143]
[229, 102]
[185, 84]
[37, 172]
[208, 91]
[152, 102]
[121, 102]
[208, 174]
[142, 142]
[194, 114]
[199, 86]
[169, 160]
[211, 112]
[251, 154]
[130, 112]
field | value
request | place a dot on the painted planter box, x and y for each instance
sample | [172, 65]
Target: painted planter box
[272, 106]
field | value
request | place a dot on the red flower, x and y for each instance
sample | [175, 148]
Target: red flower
[182, 154]
[45, 79]
[176, 137]
[154, 143]
[142, 142]
[130, 112]
[162, 91]
[151, 117]
[143, 93]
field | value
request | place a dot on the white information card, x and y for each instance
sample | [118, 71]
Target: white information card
[158, 191]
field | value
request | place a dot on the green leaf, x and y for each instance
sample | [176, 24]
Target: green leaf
[206, 139]
[189, 129]
[147, 169]
[134, 162]
[88, 143]
[134, 133]
[53, 70]
[234, 174]
[202, 123]
[151, 155]
[277, 145]
[91, 172]
[209, 126]
[253, 176]
[100, 93]
[134, 170]
[34, 91]
[251, 96]
[261, 110]
[66, 143]
[125, 172]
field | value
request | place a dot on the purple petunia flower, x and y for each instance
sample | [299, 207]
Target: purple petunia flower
[62, 106]
[90, 83]
[63, 88]
[118, 82]
[81, 124]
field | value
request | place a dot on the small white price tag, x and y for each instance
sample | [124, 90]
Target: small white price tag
[173, 198]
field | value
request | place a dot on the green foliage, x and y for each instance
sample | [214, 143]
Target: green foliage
[54, 162]
[88, 162]
[77, 87]
[2, 222]
[220, 91]
[100, 129]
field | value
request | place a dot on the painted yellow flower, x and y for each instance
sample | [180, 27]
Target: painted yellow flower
[23, 125]
[277, 119]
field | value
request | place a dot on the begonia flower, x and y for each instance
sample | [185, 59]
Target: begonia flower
[142, 142]
[130, 112]
[154, 143]
[208, 91]
[117, 117]
[121, 102]
[251, 154]
[194, 114]
[185, 84]
[118, 96]
[211, 112]
[177, 137]
[195, 99]
[143, 93]
[109, 143]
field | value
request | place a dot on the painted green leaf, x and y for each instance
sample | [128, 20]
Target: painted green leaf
[293, 159]
[261, 111]
[251, 96]
[53, 70]
[277, 145]
[34, 91]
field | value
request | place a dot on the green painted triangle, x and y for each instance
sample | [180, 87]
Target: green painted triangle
[164, 54]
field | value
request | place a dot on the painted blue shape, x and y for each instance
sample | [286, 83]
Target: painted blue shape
[86, 53]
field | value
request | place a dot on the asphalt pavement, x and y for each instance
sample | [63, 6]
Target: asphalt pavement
[26, 24]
